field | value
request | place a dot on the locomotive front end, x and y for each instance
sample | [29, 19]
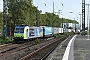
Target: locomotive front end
[18, 33]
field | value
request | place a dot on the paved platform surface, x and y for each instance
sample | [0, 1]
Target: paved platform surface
[82, 48]
[79, 49]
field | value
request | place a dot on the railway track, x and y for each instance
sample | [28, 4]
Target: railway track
[37, 54]
[8, 47]
[22, 51]
[13, 48]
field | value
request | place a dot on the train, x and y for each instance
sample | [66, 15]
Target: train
[23, 32]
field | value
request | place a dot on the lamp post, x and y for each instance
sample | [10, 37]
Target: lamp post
[75, 26]
[80, 21]
[53, 14]
[89, 24]
[62, 17]
[4, 32]
[59, 11]
[88, 18]
[70, 18]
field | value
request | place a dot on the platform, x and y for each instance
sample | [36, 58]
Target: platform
[76, 48]
[82, 48]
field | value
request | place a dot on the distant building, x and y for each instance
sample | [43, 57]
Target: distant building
[77, 27]
[67, 27]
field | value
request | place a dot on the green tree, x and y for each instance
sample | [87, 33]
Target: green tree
[1, 21]
[50, 19]
[24, 12]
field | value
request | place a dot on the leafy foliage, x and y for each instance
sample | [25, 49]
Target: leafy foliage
[24, 12]
[4, 40]
[84, 33]
[36, 42]
[1, 21]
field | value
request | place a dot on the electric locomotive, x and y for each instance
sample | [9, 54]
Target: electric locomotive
[24, 32]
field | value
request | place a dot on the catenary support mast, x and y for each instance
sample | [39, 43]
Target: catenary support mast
[83, 15]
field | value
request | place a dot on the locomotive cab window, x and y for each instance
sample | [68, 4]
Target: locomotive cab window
[19, 30]
[16, 30]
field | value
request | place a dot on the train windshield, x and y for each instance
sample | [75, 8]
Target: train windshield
[19, 30]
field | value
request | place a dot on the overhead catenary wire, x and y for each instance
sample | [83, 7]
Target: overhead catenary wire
[55, 5]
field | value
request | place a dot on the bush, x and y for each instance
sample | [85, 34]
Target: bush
[4, 40]
[83, 33]
[57, 35]
[36, 42]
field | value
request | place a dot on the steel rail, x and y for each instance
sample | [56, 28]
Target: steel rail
[31, 54]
